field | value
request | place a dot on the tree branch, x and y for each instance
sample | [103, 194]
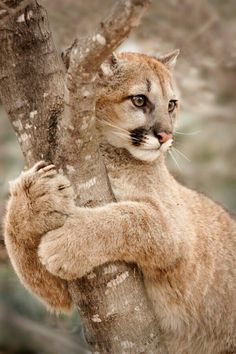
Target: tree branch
[53, 114]
[90, 54]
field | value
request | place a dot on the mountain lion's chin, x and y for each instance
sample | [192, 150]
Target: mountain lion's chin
[149, 155]
[144, 154]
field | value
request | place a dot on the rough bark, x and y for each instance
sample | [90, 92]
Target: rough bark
[52, 111]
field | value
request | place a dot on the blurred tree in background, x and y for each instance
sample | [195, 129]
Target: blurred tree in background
[205, 32]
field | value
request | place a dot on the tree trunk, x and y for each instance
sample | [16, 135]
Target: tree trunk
[52, 110]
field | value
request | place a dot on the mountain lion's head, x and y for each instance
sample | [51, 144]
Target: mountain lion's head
[137, 104]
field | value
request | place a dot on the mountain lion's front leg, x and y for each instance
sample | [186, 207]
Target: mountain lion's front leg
[40, 201]
[130, 231]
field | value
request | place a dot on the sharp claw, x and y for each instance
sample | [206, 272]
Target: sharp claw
[40, 165]
[64, 186]
[49, 169]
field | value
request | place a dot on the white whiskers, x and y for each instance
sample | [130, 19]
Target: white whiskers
[174, 159]
[120, 134]
[112, 125]
[191, 133]
[123, 133]
[181, 154]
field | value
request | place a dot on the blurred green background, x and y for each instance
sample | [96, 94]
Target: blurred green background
[205, 32]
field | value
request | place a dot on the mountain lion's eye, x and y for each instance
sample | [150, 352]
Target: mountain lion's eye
[139, 100]
[172, 105]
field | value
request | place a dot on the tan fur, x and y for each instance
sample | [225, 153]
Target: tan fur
[182, 241]
[32, 211]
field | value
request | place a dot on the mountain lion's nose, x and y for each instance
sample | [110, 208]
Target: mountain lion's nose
[164, 137]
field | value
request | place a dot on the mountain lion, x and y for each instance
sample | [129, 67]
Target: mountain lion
[183, 242]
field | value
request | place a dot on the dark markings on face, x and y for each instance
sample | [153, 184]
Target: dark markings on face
[149, 85]
[149, 108]
[138, 136]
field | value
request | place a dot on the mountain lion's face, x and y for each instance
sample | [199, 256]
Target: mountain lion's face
[137, 104]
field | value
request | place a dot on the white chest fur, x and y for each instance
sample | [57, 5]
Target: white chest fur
[123, 187]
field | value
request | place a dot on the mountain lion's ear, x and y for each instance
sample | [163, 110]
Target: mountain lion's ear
[109, 66]
[169, 60]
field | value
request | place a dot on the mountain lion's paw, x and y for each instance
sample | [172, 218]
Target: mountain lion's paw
[55, 254]
[27, 178]
[49, 196]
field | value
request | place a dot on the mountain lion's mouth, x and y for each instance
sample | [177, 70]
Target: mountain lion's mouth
[162, 147]
[166, 146]
[149, 149]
